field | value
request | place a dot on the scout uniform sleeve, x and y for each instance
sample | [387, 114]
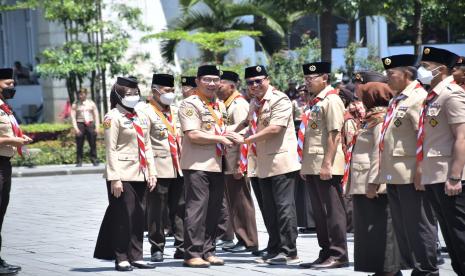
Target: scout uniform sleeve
[148, 151]
[189, 117]
[111, 139]
[455, 108]
[334, 113]
[349, 130]
[281, 112]
[374, 156]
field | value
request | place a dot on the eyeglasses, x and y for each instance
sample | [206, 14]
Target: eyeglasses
[310, 78]
[209, 80]
[252, 82]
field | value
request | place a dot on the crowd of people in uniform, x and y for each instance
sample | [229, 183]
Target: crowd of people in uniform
[394, 143]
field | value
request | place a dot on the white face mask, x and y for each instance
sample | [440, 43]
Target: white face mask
[130, 101]
[426, 76]
[167, 98]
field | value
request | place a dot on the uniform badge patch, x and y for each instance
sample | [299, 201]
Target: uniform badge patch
[433, 122]
[162, 133]
[314, 125]
[397, 123]
[208, 126]
[107, 123]
[190, 112]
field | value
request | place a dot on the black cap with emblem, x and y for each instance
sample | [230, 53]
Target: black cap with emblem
[369, 76]
[230, 76]
[399, 61]
[205, 70]
[6, 73]
[163, 80]
[188, 81]
[255, 71]
[438, 55]
[317, 68]
[127, 82]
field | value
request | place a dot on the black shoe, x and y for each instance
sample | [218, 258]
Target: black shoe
[143, 265]
[179, 255]
[310, 265]
[260, 253]
[123, 268]
[157, 257]
[95, 163]
[330, 263]
[240, 248]
[307, 230]
[80, 165]
[6, 271]
[225, 244]
[9, 266]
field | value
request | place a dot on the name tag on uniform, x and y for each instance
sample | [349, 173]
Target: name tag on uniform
[316, 108]
[403, 108]
[128, 123]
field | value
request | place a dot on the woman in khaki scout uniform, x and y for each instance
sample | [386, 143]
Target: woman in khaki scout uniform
[413, 218]
[202, 121]
[129, 172]
[168, 196]
[11, 140]
[442, 149]
[276, 165]
[323, 166]
[86, 122]
[375, 245]
[237, 188]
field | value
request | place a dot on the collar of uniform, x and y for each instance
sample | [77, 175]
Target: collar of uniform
[409, 89]
[1, 102]
[268, 93]
[323, 92]
[122, 110]
[443, 84]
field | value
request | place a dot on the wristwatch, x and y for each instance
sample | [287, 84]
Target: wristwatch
[454, 179]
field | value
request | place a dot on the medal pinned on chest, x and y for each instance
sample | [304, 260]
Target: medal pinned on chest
[433, 122]
[314, 125]
[397, 122]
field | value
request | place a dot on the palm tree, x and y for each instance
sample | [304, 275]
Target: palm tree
[221, 16]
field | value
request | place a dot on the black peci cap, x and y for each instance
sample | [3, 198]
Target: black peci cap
[460, 62]
[204, 70]
[255, 71]
[317, 68]
[127, 82]
[369, 76]
[6, 73]
[439, 55]
[399, 61]
[163, 80]
[230, 76]
[188, 81]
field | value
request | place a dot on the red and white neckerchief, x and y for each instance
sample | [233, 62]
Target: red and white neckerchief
[86, 114]
[219, 124]
[14, 125]
[174, 140]
[347, 159]
[244, 148]
[305, 118]
[140, 140]
[421, 125]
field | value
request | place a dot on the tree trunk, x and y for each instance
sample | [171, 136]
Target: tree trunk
[351, 22]
[326, 30]
[418, 25]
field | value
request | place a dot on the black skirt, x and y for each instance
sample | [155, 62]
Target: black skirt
[303, 205]
[375, 248]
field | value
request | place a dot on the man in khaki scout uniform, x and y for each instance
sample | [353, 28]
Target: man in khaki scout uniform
[323, 165]
[169, 193]
[11, 141]
[187, 86]
[442, 149]
[412, 215]
[237, 189]
[276, 165]
[202, 121]
[86, 122]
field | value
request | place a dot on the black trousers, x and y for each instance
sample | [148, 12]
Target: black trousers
[415, 227]
[450, 212]
[330, 216]
[203, 193]
[168, 194]
[279, 212]
[258, 193]
[87, 132]
[303, 205]
[5, 187]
